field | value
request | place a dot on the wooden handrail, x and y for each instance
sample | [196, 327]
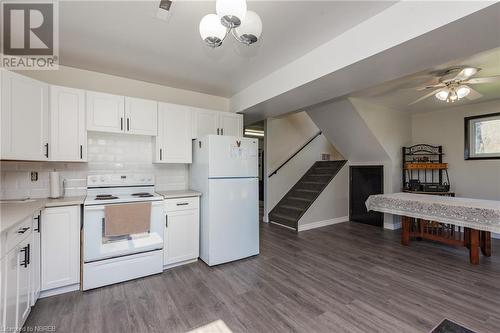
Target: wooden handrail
[298, 151]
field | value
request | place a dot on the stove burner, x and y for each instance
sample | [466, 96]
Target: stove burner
[142, 195]
[105, 197]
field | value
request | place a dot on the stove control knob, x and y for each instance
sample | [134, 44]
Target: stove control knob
[103, 179]
[93, 179]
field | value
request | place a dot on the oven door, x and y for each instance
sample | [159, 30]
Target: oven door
[97, 247]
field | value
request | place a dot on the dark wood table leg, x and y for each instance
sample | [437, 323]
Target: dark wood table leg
[485, 243]
[474, 246]
[405, 235]
[467, 237]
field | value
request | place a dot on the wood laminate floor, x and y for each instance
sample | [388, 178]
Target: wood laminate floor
[347, 277]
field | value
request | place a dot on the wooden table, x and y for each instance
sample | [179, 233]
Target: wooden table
[449, 234]
[445, 219]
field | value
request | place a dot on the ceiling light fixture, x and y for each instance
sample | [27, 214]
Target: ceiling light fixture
[232, 17]
[453, 93]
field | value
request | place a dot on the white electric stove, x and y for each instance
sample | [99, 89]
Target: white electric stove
[112, 260]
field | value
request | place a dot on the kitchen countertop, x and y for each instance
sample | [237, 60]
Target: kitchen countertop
[179, 194]
[11, 213]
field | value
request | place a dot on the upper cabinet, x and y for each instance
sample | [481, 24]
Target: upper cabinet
[105, 112]
[118, 114]
[207, 122]
[173, 143]
[231, 124]
[68, 133]
[141, 116]
[24, 118]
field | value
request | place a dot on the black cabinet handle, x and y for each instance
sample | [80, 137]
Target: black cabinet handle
[121, 124]
[37, 224]
[28, 255]
[81, 152]
[221, 131]
[161, 154]
[166, 221]
[47, 150]
[128, 124]
[218, 131]
[183, 204]
[25, 261]
[23, 230]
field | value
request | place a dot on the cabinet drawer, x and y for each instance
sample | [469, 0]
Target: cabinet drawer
[15, 235]
[172, 205]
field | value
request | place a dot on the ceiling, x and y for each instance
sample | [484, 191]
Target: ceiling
[399, 93]
[125, 38]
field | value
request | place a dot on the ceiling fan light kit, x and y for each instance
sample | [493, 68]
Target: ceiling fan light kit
[232, 17]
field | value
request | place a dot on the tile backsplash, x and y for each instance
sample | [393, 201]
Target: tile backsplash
[107, 153]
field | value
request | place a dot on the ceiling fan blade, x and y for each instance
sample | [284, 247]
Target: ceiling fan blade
[478, 80]
[473, 95]
[439, 85]
[466, 73]
[425, 96]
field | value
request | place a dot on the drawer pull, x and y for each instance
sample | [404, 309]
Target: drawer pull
[182, 203]
[23, 230]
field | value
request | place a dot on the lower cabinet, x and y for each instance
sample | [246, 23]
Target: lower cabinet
[60, 248]
[16, 285]
[182, 223]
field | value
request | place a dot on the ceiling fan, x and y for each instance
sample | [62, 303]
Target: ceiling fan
[454, 84]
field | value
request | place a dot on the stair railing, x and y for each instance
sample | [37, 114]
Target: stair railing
[294, 154]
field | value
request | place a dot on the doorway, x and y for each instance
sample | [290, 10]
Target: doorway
[365, 180]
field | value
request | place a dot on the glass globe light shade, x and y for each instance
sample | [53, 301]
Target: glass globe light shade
[211, 30]
[250, 29]
[453, 96]
[442, 95]
[462, 91]
[231, 12]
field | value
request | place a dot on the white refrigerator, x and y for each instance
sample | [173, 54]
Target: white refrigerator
[225, 170]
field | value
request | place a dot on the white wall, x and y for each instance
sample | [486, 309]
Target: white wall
[89, 80]
[471, 178]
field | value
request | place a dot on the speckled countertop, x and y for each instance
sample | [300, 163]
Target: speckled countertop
[11, 213]
[179, 194]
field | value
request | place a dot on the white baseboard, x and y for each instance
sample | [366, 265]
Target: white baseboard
[281, 225]
[61, 290]
[185, 262]
[392, 226]
[323, 223]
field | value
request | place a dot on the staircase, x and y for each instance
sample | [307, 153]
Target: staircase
[301, 196]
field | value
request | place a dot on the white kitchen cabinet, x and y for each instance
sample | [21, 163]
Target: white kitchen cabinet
[231, 124]
[60, 247]
[173, 143]
[182, 234]
[68, 132]
[35, 258]
[24, 118]
[16, 285]
[206, 122]
[141, 116]
[105, 112]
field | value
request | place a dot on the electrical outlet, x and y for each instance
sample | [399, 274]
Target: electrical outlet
[34, 176]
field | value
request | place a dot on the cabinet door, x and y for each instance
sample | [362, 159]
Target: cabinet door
[181, 236]
[24, 118]
[231, 124]
[35, 259]
[173, 143]
[105, 112]
[141, 116]
[60, 255]
[9, 287]
[68, 132]
[24, 282]
[206, 122]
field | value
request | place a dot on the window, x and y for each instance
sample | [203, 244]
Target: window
[482, 137]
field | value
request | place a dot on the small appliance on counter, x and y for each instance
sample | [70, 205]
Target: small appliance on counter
[55, 185]
[225, 170]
